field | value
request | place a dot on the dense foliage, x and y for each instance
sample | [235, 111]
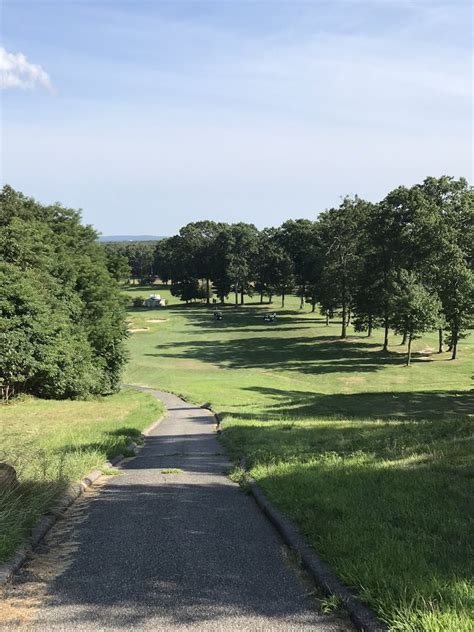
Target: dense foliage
[62, 322]
[405, 263]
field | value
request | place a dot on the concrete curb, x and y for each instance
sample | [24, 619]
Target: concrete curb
[11, 566]
[361, 615]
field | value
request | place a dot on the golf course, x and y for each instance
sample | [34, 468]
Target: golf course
[371, 458]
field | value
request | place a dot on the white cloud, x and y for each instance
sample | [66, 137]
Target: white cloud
[17, 72]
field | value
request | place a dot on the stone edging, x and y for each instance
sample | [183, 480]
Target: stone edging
[361, 615]
[11, 566]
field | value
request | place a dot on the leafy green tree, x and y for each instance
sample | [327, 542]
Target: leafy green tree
[62, 315]
[187, 289]
[415, 309]
[117, 262]
[444, 234]
[182, 269]
[141, 259]
[387, 225]
[163, 260]
[340, 230]
[237, 248]
[456, 288]
[299, 240]
[200, 238]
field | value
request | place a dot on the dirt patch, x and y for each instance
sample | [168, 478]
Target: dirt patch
[334, 340]
[355, 379]
[138, 329]
[427, 350]
[21, 598]
[157, 320]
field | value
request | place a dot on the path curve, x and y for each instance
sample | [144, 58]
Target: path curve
[154, 551]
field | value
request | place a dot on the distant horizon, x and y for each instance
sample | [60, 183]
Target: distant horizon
[132, 237]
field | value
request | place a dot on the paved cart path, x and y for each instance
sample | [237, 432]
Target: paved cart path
[153, 551]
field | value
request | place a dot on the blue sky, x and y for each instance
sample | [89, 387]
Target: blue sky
[148, 115]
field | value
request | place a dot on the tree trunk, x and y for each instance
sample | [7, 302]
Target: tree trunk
[349, 314]
[344, 320]
[236, 296]
[270, 297]
[440, 340]
[313, 306]
[404, 339]
[370, 327]
[409, 351]
[208, 296]
[327, 318]
[261, 298]
[454, 343]
[344, 309]
[303, 291]
[385, 337]
[242, 296]
[283, 299]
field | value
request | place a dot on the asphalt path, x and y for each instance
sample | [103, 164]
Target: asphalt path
[151, 550]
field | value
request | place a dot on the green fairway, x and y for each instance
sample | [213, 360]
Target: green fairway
[370, 457]
[52, 443]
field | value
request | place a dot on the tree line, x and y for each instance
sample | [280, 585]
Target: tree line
[405, 263]
[62, 318]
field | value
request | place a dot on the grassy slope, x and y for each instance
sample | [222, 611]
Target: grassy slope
[371, 458]
[54, 442]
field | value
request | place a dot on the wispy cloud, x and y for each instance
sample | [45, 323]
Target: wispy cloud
[17, 72]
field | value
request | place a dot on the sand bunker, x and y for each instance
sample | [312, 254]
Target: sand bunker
[135, 331]
[157, 320]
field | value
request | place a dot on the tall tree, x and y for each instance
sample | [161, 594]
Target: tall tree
[415, 309]
[299, 240]
[242, 243]
[445, 235]
[340, 230]
[200, 239]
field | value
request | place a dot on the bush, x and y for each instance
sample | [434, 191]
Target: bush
[62, 321]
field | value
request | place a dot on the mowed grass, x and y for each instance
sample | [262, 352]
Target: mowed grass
[52, 443]
[371, 458]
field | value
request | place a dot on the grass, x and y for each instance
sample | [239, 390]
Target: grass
[51, 443]
[372, 459]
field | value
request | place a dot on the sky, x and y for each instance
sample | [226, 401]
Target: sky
[148, 115]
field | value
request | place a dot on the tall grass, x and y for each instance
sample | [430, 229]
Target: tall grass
[52, 443]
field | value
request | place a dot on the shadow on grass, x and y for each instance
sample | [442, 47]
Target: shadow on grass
[114, 443]
[400, 532]
[302, 354]
[238, 319]
[387, 504]
[125, 431]
[398, 405]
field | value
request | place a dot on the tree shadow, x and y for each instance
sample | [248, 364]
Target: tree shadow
[113, 444]
[385, 529]
[307, 355]
[395, 405]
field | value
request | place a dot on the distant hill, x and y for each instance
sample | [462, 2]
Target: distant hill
[131, 237]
